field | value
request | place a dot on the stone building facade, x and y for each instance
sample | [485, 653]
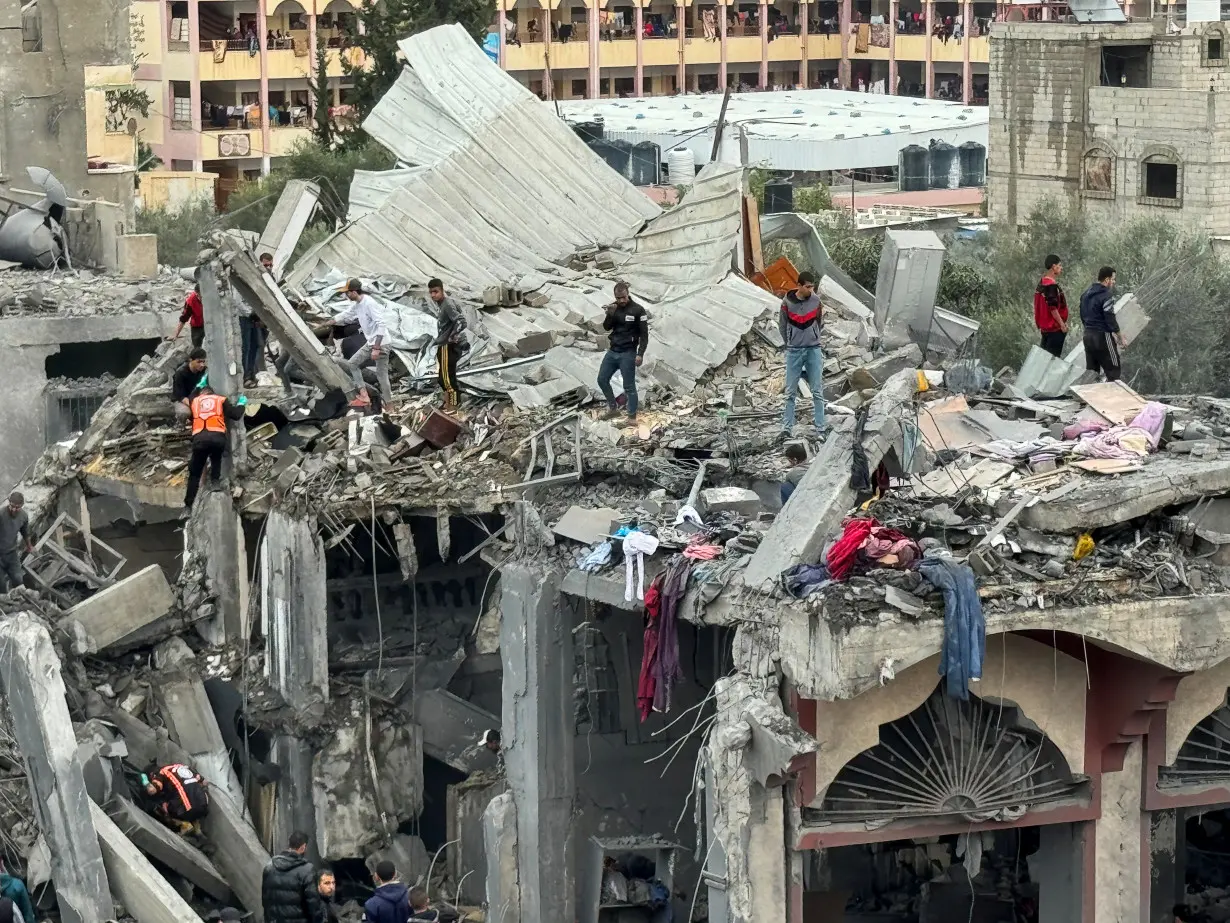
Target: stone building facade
[1122, 119]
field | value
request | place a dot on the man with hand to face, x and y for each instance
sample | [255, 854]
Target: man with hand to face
[627, 325]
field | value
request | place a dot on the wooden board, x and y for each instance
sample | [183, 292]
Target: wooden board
[1113, 400]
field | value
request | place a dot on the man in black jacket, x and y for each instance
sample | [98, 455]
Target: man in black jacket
[627, 325]
[289, 891]
[1103, 341]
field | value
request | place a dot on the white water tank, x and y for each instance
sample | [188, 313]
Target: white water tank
[681, 164]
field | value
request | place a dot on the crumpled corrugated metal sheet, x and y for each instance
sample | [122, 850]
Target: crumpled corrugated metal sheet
[504, 193]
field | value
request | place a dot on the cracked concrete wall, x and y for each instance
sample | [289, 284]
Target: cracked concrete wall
[44, 121]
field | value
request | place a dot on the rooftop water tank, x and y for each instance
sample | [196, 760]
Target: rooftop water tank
[646, 164]
[778, 197]
[681, 165]
[973, 157]
[913, 167]
[945, 168]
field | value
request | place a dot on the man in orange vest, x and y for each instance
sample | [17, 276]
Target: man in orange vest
[210, 412]
[179, 795]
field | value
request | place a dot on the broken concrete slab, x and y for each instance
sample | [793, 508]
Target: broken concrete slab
[193, 725]
[43, 728]
[738, 500]
[286, 225]
[120, 612]
[155, 371]
[451, 729]
[294, 610]
[467, 855]
[501, 847]
[408, 855]
[1165, 480]
[293, 806]
[238, 853]
[800, 531]
[351, 816]
[143, 891]
[884, 367]
[261, 292]
[159, 842]
[908, 279]
[587, 526]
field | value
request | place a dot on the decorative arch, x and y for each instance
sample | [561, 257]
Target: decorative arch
[952, 759]
[1161, 176]
[1099, 165]
[1204, 756]
[1215, 45]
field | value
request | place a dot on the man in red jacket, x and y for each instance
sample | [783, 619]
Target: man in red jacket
[1051, 307]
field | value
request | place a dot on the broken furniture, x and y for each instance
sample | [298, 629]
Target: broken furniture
[66, 555]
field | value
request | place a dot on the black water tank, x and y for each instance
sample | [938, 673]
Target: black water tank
[645, 166]
[973, 164]
[592, 130]
[621, 157]
[944, 166]
[778, 197]
[913, 168]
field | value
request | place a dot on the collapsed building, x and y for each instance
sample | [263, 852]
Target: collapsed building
[744, 718]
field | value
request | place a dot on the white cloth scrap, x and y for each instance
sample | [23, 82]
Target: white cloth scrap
[637, 545]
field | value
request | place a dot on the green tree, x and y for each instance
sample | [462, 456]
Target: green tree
[322, 98]
[385, 23]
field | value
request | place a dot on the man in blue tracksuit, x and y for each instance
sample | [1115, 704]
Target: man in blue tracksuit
[798, 322]
[1103, 341]
[391, 901]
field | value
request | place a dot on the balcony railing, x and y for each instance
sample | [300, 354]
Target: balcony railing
[243, 44]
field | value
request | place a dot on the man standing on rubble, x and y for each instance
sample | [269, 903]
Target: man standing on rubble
[209, 415]
[627, 326]
[450, 344]
[14, 541]
[1051, 307]
[193, 315]
[289, 891]
[1103, 341]
[798, 322]
[366, 311]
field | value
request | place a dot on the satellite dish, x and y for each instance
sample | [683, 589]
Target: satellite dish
[52, 187]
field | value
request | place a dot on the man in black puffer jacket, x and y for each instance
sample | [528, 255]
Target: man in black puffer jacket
[288, 886]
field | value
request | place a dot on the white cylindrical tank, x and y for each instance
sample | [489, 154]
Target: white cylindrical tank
[681, 163]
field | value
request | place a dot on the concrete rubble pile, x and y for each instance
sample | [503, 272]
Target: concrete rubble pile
[417, 635]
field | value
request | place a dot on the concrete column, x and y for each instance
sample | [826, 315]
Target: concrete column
[722, 13]
[501, 25]
[844, 16]
[967, 18]
[1119, 843]
[294, 807]
[312, 43]
[548, 86]
[262, 29]
[681, 74]
[43, 728]
[593, 85]
[764, 45]
[194, 88]
[223, 345]
[1058, 867]
[639, 88]
[1168, 864]
[928, 67]
[894, 10]
[214, 542]
[294, 610]
[804, 64]
[500, 849]
[538, 739]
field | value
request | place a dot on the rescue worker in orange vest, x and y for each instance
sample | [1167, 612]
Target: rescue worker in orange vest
[210, 412]
[179, 796]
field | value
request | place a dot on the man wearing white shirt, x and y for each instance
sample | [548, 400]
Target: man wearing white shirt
[366, 311]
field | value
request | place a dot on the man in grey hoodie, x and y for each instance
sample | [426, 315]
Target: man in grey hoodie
[799, 324]
[450, 341]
